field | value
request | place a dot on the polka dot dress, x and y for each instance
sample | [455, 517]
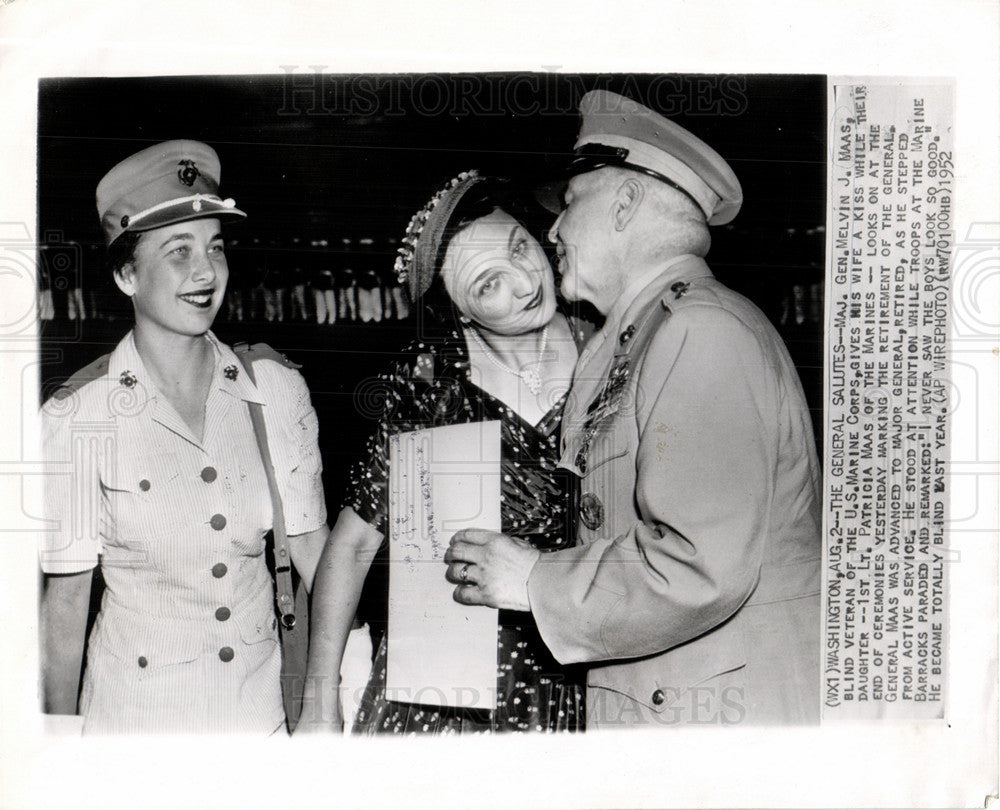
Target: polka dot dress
[430, 387]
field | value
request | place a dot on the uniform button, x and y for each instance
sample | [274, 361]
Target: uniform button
[591, 511]
[142, 661]
[627, 335]
[218, 522]
[144, 485]
[208, 475]
[226, 654]
[222, 614]
[658, 697]
[219, 570]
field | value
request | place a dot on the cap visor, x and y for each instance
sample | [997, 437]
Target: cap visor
[725, 212]
[183, 212]
[550, 195]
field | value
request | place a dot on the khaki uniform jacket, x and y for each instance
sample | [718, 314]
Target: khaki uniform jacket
[186, 639]
[694, 590]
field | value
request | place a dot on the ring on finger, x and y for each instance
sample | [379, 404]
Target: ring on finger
[464, 573]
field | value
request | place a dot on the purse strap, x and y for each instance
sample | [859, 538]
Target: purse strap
[282, 557]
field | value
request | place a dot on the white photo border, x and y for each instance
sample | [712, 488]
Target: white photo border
[944, 764]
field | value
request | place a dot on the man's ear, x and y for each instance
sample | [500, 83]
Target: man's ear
[628, 198]
[125, 278]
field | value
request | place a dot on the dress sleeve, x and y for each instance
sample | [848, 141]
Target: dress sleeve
[73, 506]
[420, 390]
[298, 466]
[367, 492]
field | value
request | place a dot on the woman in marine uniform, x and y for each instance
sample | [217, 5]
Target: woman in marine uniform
[156, 476]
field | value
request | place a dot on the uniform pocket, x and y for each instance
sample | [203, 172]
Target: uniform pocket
[258, 625]
[671, 679]
[141, 495]
[144, 677]
[137, 472]
[148, 646]
[605, 447]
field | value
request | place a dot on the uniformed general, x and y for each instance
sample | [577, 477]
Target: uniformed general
[694, 590]
[155, 474]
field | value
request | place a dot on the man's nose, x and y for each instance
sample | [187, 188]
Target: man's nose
[554, 230]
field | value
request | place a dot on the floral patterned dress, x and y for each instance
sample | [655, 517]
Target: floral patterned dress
[430, 387]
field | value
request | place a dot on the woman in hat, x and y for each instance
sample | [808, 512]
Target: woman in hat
[494, 347]
[164, 487]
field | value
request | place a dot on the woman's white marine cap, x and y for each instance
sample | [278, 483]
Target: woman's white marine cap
[171, 182]
[617, 131]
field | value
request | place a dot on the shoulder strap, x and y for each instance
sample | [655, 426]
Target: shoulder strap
[282, 558]
[87, 374]
[262, 351]
[641, 331]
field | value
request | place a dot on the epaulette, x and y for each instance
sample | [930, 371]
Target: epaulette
[261, 351]
[87, 374]
[681, 293]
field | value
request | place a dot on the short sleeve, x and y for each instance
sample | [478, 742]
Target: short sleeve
[418, 392]
[291, 421]
[367, 492]
[72, 499]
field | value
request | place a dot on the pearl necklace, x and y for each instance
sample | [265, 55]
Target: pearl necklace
[531, 374]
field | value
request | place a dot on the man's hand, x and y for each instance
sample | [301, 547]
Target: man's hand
[490, 569]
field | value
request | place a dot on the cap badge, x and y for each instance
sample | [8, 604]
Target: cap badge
[188, 173]
[128, 379]
[231, 372]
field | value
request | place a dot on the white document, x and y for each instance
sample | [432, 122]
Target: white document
[440, 480]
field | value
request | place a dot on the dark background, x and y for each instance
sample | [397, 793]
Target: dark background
[314, 157]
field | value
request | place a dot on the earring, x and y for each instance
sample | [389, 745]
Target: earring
[463, 319]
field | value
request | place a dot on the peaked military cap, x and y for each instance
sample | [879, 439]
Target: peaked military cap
[617, 131]
[171, 182]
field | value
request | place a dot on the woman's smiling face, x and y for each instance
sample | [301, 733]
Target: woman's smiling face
[499, 277]
[177, 277]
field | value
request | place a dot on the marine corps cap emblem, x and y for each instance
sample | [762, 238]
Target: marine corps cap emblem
[188, 172]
